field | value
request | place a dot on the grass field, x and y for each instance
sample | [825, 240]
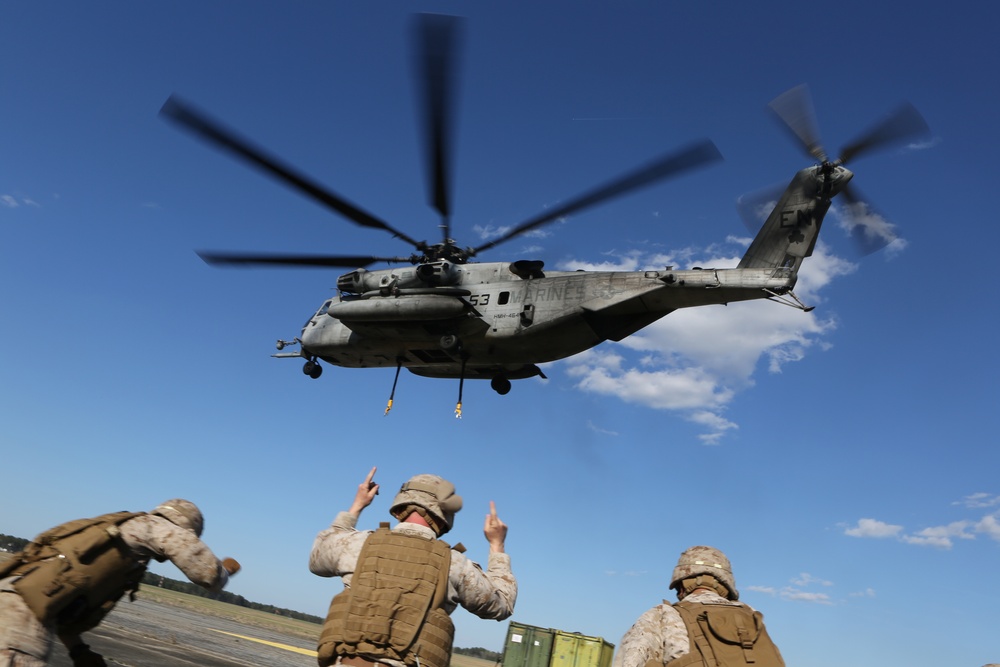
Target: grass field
[468, 661]
[254, 617]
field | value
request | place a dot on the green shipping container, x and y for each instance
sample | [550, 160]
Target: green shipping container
[527, 646]
[571, 649]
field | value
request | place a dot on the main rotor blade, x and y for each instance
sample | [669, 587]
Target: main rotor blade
[341, 261]
[904, 123]
[436, 39]
[695, 155]
[794, 108]
[203, 126]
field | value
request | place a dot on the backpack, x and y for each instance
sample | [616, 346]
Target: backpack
[726, 635]
[74, 573]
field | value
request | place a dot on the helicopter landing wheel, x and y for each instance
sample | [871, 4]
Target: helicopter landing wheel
[450, 342]
[500, 385]
[312, 369]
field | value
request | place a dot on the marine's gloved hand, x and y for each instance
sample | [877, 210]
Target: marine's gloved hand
[231, 565]
[82, 656]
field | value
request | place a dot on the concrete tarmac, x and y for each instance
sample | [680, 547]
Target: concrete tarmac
[150, 634]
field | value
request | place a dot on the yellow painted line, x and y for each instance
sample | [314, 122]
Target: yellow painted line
[293, 649]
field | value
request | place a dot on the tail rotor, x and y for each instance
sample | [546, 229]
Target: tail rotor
[868, 229]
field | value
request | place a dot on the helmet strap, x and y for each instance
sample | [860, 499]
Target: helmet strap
[431, 520]
[686, 586]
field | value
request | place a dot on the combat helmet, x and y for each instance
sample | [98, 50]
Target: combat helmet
[183, 513]
[432, 494]
[705, 560]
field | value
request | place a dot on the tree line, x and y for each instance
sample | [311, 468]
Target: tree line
[11, 543]
[169, 584]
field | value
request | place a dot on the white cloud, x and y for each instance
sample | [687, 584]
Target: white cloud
[805, 579]
[989, 526]
[529, 250]
[941, 536]
[767, 590]
[10, 201]
[796, 595]
[795, 592]
[717, 426]
[601, 431]
[627, 261]
[696, 360]
[727, 342]
[873, 528]
[868, 228]
[490, 231]
[605, 373]
[923, 145]
[820, 270]
[979, 500]
[867, 593]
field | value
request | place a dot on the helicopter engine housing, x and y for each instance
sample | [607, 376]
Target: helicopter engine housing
[429, 274]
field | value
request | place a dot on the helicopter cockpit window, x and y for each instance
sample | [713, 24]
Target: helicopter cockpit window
[325, 307]
[503, 298]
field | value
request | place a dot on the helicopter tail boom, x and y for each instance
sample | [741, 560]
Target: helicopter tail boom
[789, 233]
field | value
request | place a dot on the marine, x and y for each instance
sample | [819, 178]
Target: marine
[707, 626]
[66, 580]
[402, 584]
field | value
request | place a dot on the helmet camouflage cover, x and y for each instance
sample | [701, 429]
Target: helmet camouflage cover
[432, 494]
[705, 560]
[183, 513]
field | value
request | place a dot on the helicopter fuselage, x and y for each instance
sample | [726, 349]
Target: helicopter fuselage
[502, 318]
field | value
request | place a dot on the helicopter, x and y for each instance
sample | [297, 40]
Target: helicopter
[440, 314]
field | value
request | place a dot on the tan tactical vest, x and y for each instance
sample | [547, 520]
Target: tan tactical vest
[393, 608]
[71, 575]
[724, 635]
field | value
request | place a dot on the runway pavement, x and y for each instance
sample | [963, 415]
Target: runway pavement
[151, 634]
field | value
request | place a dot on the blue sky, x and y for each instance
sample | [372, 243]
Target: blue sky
[844, 459]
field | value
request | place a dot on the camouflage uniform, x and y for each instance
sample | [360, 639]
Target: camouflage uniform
[660, 633]
[490, 594]
[26, 642]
